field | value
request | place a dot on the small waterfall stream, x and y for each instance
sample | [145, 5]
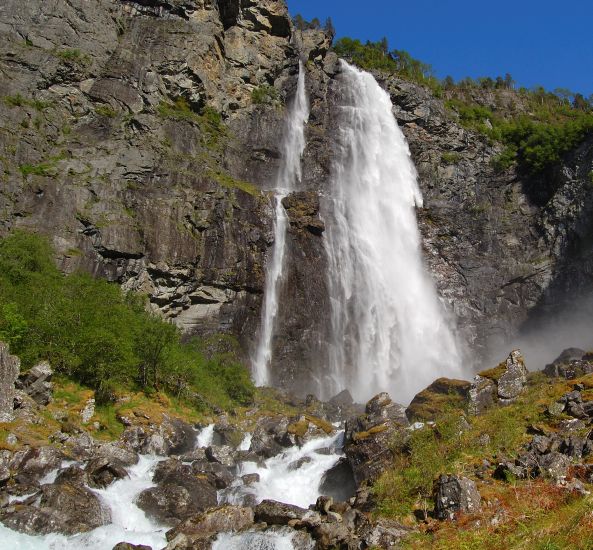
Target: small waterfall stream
[288, 176]
[389, 330]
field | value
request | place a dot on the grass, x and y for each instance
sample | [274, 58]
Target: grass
[450, 157]
[106, 111]
[74, 56]
[265, 95]
[18, 100]
[446, 448]
[229, 182]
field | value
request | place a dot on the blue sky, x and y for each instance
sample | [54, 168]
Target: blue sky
[537, 41]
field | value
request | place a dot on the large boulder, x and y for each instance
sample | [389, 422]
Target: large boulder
[9, 371]
[453, 495]
[368, 438]
[338, 482]
[65, 507]
[36, 383]
[102, 471]
[216, 520]
[502, 384]
[273, 512]
[442, 394]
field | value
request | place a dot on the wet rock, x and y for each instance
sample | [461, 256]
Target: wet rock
[65, 508]
[129, 546]
[441, 394]
[273, 512]
[338, 482]
[36, 462]
[304, 428]
[268, 437]
[72, 474]
[36, 383]
[216, 520]
[250, 479]
[9, 371]
[171, 436]
[224, 455]
[367, 439]
[168, 504]
[453, 495]
[302, 208]
[103, 471]
[296, 464]
[219, 472]
[196, 491]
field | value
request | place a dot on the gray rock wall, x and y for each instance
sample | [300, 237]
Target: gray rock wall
[111, 144]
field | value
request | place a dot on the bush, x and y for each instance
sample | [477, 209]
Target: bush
[264, 95]
[93, 333]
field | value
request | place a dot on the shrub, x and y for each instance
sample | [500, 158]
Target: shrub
[265, 94]
[95, 334]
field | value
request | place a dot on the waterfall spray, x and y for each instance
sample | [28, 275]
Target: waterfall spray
[289, 175]
[389, 330]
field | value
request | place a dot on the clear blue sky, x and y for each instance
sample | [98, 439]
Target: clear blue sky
[537, 41]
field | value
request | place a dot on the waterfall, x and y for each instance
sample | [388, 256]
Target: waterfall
[288, 176]
[389, 331]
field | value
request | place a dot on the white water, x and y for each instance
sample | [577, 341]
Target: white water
[128, 522]
[288, 176]
[389, 330]
[205, 437]
[278, 481]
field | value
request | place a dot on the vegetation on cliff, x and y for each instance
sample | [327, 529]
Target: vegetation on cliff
[537, 136]
[93, 333]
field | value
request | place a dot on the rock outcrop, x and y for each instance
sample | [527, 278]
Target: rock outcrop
[502, 384]
[9, 371]
[36, 383]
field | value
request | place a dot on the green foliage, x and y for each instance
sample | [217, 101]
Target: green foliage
[214, 132]
[100, 337]
[265, 94]
[106, 111]
[43, 168]
[376, 56]
[75, 56]
[18, 100]
[450, 157]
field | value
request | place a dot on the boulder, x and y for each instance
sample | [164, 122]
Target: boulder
[66, 508]
[338, 482]
[224, 455]
[36, 383]
[129, 546]
[103, 471]
[368, 438]
[37, 462]
[273, 512]
[502, 384]
[9, 371]
[444, 393]
[453, 495]
[268, 437]
[168, 504]
[216, 520]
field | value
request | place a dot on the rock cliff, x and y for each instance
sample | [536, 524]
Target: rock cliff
[142, 137]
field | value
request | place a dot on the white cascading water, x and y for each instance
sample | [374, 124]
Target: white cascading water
[389, 330]
[289, 175]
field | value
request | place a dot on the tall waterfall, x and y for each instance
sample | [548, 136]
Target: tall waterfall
[389, 330]
[289, 175]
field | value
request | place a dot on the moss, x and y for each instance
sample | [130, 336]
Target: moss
[229, 182]
[105, 111]
[265, 94]
[358, 436]
[450, 157]
[298, 428]
[320, 423]
[74, 56]
[19, 101]
[495, 373]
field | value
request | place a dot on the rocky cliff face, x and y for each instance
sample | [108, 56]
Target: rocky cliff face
[141, 136]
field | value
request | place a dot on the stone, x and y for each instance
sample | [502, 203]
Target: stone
[168, 504]
[63, 508]
[273, 512]
[368, 438]
[554, 465]
[338, 482]
[216, 520]
[88, 411]
[128, 546]
[224, 455]
[103, 471]
[502, 384]
[9, 371]
[37, 462]
[36, 383]
[454, 495]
